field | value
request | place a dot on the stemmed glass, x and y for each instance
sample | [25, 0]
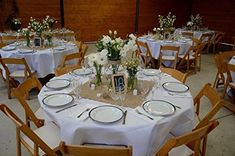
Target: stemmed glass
[76, 89]
[121, 95]
[143, 89]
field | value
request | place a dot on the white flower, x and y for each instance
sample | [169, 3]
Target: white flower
[110, 32]
[104, 52]
[189, 23]
[106, 40]
[154, 29]
[132, 36]
[115, 32]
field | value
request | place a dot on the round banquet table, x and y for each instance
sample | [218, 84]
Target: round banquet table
[145, 135]
[154, 45]
[43, 61]
[196, 34]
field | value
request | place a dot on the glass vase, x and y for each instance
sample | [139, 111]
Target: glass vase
[132, 82]
[98, 79]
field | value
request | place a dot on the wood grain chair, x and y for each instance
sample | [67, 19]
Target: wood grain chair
[221, 61]
[169, 53]
[84, 150]
[8, 39]
[145, 55]
[69, 62]
[21, 92]
[187, 34]
[231, 84]
[83, 49]
[197, 42]
[216, 39]
[175, 73]
[192, 58]
[207, 38]
[187, 144]
[21, 70]
[216, 103]
[40, 141]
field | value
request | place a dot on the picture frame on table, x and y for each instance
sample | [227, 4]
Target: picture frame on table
[119, 81]
[37, 42]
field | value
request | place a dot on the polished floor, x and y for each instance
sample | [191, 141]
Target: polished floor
[221, 141]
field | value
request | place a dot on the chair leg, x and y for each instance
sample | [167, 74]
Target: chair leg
[18, 145]
[204, 142]
[216, 80]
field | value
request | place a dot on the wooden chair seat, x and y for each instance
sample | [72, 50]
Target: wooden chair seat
[40, 113]
[168, 58]
[49, 133]
[182, 150]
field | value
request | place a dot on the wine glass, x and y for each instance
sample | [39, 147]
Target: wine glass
[121, 95]
[76, 88]
[144, 89]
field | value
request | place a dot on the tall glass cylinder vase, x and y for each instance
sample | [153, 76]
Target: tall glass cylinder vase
[132, 80]
[114, 64]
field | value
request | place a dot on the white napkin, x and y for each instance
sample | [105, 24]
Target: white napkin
[155, 118]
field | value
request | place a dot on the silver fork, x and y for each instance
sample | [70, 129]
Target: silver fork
[137, 111]
[177, 94]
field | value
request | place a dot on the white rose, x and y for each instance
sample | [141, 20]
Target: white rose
[115, 32]
[104, 52]
[154, 29]
[110, 32]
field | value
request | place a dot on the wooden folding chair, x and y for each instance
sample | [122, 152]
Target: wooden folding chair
[216, 103]
[21, 92]
[207, 38]
[217, 38]
[145, 54]
[85, 150]
[187, 144]
[221, 61]
[18, 72]
[175, 73]
[229, 82]
[190, 58]
[69, 62]
[169, 53]
[187, 34]
[40, 141]
[8, 39]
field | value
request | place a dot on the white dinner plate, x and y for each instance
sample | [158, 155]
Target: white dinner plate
[175, 87]
[8, 48]
[57, 100]
[159, 107]
[150, 72]
[81, 72]
[106, 114]
[58, 84]
[25, 51]
[60, 48]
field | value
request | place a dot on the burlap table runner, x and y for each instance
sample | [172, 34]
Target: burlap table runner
[103, 95]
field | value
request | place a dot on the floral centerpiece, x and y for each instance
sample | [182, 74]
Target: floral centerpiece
[50, 21]
[48, 34]
[26, 33]
[166, 22]
[98, 60]
[131, 66]
[116, 47]
[37, 26]
[15, 24]
[195, 22]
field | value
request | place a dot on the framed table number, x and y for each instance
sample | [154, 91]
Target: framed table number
[119, 82]
[37, 42]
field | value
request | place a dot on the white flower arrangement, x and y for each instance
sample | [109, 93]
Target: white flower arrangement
[166, 22]
[195, 22]
[99, 58]
[116, 47]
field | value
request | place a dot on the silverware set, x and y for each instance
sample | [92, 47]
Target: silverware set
[137, 111]
[65, 108]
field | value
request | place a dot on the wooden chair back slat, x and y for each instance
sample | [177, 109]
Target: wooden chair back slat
[175, 73]
[83, 150]
[193, 137]
[169, 49]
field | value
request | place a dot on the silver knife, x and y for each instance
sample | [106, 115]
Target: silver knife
[66, 108]
[124, 117]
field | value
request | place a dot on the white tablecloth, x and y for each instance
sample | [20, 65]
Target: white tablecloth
[145, 135]
[196, 34]
[44, 61]
[154, 45]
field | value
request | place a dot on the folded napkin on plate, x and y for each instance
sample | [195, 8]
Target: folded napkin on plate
[178, 95]
[140, 109]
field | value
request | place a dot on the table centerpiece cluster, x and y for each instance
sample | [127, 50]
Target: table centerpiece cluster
[41, 29]
[195, 23]
[111, 51]
[166, 25]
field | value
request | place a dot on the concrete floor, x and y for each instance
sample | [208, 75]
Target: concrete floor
[221, 141]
